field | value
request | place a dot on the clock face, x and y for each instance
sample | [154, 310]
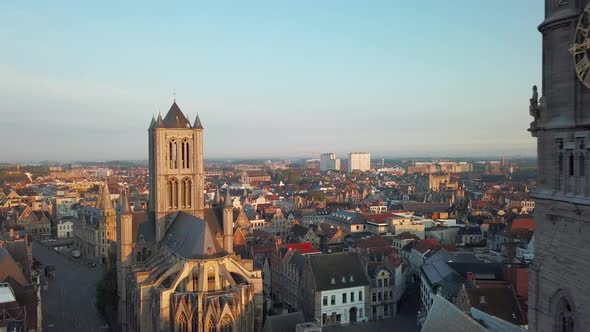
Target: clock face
[581, 48]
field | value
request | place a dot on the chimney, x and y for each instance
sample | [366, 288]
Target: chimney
[470, 278]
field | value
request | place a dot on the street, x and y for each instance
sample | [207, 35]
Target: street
[68, 303]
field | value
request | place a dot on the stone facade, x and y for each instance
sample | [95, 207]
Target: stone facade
[176, 266]
[559, 290]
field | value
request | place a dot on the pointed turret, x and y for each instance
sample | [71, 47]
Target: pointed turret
[217, 198]
[137, 203]
[227, 202]
[228, 223]
[104, 197]
[153, 123]
[159, 122]
[197, 124]
[124, 203]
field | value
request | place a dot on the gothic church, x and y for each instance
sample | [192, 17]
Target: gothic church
[176, 267]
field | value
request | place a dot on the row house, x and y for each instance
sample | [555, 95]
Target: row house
[387, 285]
[349, 221]
[292, 267]
[285, 271]
[335, 288]
[36, 223]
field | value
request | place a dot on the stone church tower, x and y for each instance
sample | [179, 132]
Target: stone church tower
[559, 279]
[107, 227]
[176, 266]
[176, 172]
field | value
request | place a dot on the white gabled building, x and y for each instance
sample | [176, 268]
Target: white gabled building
[336, 289]
[65, 228]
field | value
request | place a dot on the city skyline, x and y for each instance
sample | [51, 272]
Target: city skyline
[331, 77]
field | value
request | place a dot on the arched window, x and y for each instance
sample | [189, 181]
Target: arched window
[195, 281]
[571, 164]
[169, 191]
[174, 155]
[186, 189]
[582, 165]
[211, 279]
[138, 256]
[182, 323]
[226, 324]
[188, 154]
[144, 253]
[564, 320]
[183, 194]
[211, 325]
[182, 154]
[173, 194]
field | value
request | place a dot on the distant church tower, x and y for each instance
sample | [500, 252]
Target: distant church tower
[107, 223]
[176, 171]
[559, 278]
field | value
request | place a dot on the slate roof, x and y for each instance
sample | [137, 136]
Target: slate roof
[470, 231]
[143, 227]
[334, 271]
[283, 323]
[175, 118]
[499, 300]
[19, 251]
[9, 268]
[487, 271]
[214, 218]
[439, 273]
[347, 217]
[191, 238]
[494, 324]
[445, 316]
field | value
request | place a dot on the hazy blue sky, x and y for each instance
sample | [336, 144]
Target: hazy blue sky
[81, 80]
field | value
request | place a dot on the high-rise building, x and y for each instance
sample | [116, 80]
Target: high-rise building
[559, 286]
[329, 162]
[359, 161]
[176, 267]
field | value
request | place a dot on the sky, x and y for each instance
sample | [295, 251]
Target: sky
[80, 80]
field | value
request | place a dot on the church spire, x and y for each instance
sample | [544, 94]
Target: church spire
[217, 198]
[227, 203]
[153, 123]
[137, 203]
[159, 121]
[124, 203]
[197, 124]
[104, 197]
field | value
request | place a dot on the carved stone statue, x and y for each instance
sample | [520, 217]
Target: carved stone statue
[534, 108]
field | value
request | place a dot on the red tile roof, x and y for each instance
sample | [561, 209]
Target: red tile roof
[524, 221]
[303, 248]
[379, 218]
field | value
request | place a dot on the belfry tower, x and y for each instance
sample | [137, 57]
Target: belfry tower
[176, 171]
[559, 286]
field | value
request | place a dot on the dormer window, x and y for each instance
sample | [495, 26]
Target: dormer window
[351, 278]
[343, 280]
[333, 281]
